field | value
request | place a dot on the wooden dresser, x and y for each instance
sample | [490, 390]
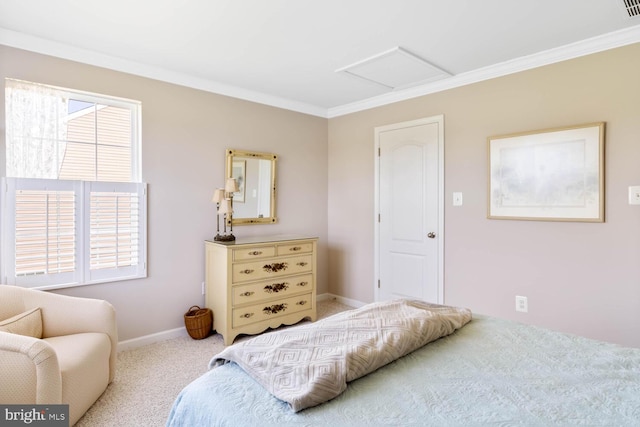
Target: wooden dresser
[261, 282]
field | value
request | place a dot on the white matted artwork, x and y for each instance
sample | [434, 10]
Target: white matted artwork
[548, 175]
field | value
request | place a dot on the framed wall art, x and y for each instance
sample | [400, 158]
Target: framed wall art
[548, 175]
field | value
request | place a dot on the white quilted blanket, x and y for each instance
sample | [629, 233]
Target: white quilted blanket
[312, 363]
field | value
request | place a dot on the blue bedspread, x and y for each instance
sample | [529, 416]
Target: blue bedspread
[490, 372]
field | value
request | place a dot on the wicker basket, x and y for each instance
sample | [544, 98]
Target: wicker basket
[199, 322]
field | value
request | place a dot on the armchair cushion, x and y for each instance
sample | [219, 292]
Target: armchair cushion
[82, 356]
[28, 323]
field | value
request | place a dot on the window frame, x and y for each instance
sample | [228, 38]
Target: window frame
[83, 275]
[136, 119]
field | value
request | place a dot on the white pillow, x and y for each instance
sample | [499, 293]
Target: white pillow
[28, 323]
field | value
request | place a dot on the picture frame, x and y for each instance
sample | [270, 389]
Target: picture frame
[548, 175]
[239, 172]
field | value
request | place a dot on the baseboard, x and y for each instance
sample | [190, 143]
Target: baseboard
[152, 338]
[180, 332]
[342, 300]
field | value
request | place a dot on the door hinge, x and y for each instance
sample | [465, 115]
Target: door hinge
[378, 283]
[378, 217]
[378, 151]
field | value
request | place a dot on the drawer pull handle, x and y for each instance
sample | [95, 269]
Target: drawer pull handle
[302, 284]
[255, 253]
[246, 315]
[274, 309]
[276, 287]
[295, 249]
[302, 264]
[247, 271]
[275, 267]
[303, 302]
[246, 294]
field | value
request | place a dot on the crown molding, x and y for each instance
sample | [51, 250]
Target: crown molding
[608, 41]
[85, 56]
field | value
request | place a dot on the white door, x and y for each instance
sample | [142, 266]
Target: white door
[409, 210]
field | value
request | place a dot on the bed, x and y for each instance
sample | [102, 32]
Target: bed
[487, 371]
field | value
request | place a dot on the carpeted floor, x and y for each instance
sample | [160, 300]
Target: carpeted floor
[149, 378]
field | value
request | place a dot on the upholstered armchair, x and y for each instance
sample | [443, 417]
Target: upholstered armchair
[55, 349]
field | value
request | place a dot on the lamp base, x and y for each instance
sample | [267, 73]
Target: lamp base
[225, 238]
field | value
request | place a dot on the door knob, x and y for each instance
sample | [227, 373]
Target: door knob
[431, 235]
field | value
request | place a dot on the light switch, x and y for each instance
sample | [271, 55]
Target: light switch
[634, 195]
[457, 199]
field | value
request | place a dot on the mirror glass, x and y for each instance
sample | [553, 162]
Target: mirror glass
[255, 202]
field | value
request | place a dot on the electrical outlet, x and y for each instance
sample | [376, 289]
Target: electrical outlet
[521, 304]
[202, 288]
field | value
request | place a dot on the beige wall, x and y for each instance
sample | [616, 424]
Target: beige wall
[184, 136]
[581, 278]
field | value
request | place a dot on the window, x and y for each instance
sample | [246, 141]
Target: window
[74, 206]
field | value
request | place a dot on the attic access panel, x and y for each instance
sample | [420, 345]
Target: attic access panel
[395, 69]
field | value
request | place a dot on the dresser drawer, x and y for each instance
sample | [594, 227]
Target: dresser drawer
[269, 268]
[265, 311]
[295, 248]
[257, 252]
[269, 289]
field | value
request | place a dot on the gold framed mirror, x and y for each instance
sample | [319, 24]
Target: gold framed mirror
[255, 202]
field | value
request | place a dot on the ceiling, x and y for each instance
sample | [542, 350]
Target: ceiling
[287, 53]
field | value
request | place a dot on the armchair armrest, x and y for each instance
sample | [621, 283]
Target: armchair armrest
[66, 315]
[29, 371]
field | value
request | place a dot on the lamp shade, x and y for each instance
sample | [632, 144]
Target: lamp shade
[231, 186]
[218, 195]
[225, 207]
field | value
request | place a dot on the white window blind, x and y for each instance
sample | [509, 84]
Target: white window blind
[74, 209]
[45, 232]
[116, 231]
[40, 231]
[49, 223]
